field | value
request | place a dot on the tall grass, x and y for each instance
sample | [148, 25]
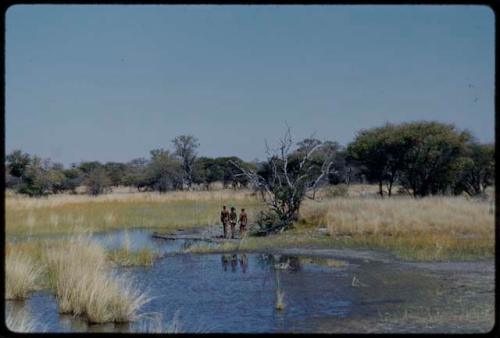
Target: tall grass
[79, 213]
[22, 322]
[21, 275]
[79, 273]
[427, 228]
[432, 228]
[84, 285]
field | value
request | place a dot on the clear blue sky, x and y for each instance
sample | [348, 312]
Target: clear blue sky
[110, 83]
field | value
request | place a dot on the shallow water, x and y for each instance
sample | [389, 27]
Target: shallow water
[238, 292]
[220, 293]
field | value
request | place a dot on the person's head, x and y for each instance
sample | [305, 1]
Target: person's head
[232, 209]
[242, 210]
[224, 207]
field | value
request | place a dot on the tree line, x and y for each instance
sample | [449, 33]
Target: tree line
[424, 158]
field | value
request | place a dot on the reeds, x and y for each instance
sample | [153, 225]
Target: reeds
[21, 275]
[427, 228]
[79, 273]
[84, 285]
[280, 300]
[22, 322]
[127, 257]
[72, 214]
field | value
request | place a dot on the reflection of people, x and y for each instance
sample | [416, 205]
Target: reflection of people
[244, 262]
[243, 222]
[224, 262]
[232, 220]
[234, 263]
[224, 218]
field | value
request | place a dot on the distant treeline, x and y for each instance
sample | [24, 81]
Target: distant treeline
[424, 158]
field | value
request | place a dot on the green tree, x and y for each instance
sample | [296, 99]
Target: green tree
[35, 179]
[73, 178]
[135, 174]
[380, 153]
[116, 172]
[88, 166]
[433, 156]
[17, 163]
[97, 181]
[56, 179]
[477, 169]
[164, 172]
[185, 150]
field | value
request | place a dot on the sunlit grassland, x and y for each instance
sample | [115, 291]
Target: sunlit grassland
[67, 214]
[432, 228]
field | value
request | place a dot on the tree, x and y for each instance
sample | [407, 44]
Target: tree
[164, 171]
[35, 180]
[88, 167]
[135, 173]
[202, 171]
[432, 157]
[344, 170]
[17, 163]
[285, 179]
[73, 178]
[380, 154]
[185, 149]
[56, 180]
[477, 169]
[97, 181]
[116, 172]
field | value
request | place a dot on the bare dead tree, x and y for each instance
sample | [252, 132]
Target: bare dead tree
[287, 178]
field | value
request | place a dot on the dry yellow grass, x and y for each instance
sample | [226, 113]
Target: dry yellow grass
[21, 275]
[79, 273]
[79, 213]
[84, 285]
[432, 228]
[427, 228]
[126, 257]
[22, 322]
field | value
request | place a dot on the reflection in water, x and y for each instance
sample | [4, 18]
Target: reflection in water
[234, 262]
[225, 261]
[280, 262]
[233, 259]
[244, 263]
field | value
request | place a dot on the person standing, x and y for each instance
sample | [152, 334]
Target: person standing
[224, 218]
[232, 220]
[243, 222]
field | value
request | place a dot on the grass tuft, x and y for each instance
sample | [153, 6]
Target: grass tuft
[21, 322]
[84, 285]
[127, 257]
[21, 276]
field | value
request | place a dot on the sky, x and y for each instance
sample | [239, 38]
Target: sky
[111, 83]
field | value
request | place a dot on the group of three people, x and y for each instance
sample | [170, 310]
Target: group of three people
[230, 218]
